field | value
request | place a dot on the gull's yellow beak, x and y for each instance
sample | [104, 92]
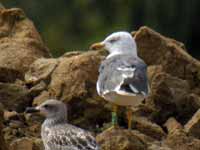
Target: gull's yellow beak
[97, 46]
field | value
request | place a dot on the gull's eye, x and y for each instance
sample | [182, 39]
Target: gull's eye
[114, 40]
[46, 106]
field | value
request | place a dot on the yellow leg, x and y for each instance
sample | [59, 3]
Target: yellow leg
[129, 117]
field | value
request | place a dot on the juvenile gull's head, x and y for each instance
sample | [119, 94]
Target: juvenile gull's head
[118, 43]
[51, 109]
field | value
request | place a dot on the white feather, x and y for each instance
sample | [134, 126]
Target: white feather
[133, 88]
[126, 69]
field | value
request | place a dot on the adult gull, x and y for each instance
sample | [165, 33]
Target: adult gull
[122, 75]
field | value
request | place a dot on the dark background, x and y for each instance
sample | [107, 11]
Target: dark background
[68, 25]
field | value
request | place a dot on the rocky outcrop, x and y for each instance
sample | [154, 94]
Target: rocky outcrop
[72, 79]
[156, 49]
[20, 44]
[168, 120]
[173, 74]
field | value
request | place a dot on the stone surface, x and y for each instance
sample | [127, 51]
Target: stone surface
[72, 79]
[3, 145]
[172, 124]
[156, 49]
[26, 144]
[170, 97]
[178, 139]
[40, 70]
[20, 44]
[147, 127]
[174, 78]
[8, 115]
[193, 126]
[14, 97]
[158, 147]
[120, 140]
[152, 71]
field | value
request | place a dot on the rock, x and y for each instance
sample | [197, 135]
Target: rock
[38, 144]
[82, 73]
[147, 127]
[14, 97]
[161, 99]
[153, 46]
[169, 97]
[119, 139]
[193, 125]
[72, 79]
[37, 89]
[174, 97]
[72, 53]
[20, 44]
[172, 124]
[8, 115]
[187, 106]
[156, 49]
[178, 139]
[42, 97]
[3, 146]
[40, 70]
[152, 71]
[26, 144]
[158, 147]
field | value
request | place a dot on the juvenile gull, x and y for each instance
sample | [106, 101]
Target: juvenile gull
[57, 134]
[122, 75]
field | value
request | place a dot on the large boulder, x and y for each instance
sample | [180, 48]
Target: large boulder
[156, 49]
[174, 76]
[72, 79]
[171, 96]
[174, 82]
[20, 44]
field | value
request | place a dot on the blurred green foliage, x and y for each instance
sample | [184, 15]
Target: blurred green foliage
[68, 25]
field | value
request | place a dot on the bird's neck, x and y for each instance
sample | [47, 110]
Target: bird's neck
[53, 121]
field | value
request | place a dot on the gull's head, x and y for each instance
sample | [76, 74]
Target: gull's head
[118, 42]
[50, 109]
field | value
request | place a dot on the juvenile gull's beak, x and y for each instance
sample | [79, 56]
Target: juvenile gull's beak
[97, 46]
[31, 110]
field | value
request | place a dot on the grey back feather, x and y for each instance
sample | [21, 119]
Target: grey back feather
[110, 76]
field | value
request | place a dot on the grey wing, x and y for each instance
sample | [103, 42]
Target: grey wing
[133, 77]
[71, 138]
